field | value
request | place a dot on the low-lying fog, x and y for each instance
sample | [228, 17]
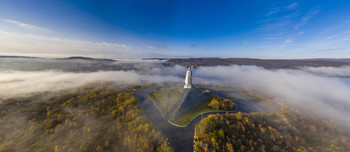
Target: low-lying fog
[308, 87]
[326, 96]
[16, 83]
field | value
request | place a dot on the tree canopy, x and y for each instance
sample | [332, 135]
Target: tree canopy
[284, 130]
[102, 119]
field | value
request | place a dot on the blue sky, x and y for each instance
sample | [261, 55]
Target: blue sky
[179, 28]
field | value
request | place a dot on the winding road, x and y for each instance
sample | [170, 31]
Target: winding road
[179, 138]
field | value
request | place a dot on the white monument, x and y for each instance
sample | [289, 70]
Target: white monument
[188, 79]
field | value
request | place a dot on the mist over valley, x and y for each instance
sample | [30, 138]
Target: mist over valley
[317, 91]
[174, 76]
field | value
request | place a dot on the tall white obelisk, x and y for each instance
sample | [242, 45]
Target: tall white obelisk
[188, 79]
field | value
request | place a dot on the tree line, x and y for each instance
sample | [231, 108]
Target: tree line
[284, 130]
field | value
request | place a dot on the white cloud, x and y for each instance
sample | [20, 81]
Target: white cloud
[306, 18]
[287, 41]
[322, 95]
[14, 43]
[25, 43]
[273, 11]
[27, 26]
[292, 6]
[329, 71]
[271, 38]
[328, 97]
[19, 83]
[40, 42]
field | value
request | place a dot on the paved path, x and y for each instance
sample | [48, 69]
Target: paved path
[179, 138]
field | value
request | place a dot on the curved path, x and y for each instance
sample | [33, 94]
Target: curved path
[179, 138]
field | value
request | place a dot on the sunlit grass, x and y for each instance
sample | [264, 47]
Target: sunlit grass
[166, 98]
[187, 116]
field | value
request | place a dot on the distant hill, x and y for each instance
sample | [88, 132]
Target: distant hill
[68, 58]
[16, 56]
[79, 57]
[266, 63]
[328, 59]
[155, 59]
[85, 58]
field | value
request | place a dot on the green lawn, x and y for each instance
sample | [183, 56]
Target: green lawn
[187, 116]
[166, 98]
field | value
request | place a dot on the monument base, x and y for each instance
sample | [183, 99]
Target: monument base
[187, 86]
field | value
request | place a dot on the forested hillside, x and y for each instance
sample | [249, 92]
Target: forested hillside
[284, 130]
[102, 119]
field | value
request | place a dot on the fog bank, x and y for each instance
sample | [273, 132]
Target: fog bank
[329, 71]
[18, 83]
[307, 88]
[325, 96]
